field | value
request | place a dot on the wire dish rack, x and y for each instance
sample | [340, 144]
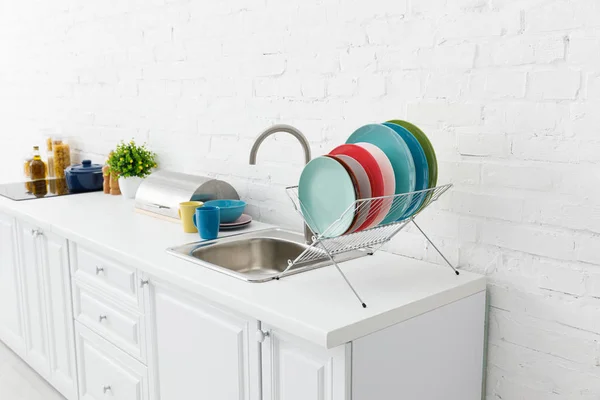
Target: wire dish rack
[334, 239]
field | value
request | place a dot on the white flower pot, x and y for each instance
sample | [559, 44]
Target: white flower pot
[129, 186]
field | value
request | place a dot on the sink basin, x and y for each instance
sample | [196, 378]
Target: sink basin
[252, 255]
[255, 257]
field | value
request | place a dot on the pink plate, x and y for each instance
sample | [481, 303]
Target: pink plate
[245, 219]
[371, 167]
[363, 189]
[389, 182]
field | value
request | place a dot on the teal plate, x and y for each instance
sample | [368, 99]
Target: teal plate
[326, 191]
[429, 153]
[421, 167]
[399, 154]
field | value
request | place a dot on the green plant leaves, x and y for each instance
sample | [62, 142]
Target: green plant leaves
[129, 159]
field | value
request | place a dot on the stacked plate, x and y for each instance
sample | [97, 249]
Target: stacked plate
[241, 222]
[378, 161]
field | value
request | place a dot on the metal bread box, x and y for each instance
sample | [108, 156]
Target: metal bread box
[160, 194]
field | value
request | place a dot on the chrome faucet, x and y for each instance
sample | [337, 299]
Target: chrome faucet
[280, 128]
[308, 234]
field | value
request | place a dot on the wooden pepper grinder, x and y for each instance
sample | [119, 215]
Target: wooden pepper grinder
[114, 184]
[106, 176]
[113, 179]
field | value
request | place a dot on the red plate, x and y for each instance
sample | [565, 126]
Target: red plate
[371, 168]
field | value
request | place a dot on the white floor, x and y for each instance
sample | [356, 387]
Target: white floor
[19, 382]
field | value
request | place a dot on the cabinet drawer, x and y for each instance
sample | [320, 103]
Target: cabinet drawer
[106, 372]
[122, 327]
[104, 273]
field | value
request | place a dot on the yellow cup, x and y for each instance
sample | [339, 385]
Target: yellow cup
[187, 209]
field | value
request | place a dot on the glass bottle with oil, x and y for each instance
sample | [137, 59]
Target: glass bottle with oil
[38, 173]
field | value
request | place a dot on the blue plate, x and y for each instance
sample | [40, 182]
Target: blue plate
[421, 166]
[327, 196]
[399, 154]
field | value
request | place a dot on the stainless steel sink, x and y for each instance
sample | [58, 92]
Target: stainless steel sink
[255, 257]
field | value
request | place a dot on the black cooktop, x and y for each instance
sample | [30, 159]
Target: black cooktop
[31, 190]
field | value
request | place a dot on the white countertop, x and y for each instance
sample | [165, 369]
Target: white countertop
[316, 305]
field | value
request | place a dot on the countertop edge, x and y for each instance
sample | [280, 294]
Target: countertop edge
[401, 314]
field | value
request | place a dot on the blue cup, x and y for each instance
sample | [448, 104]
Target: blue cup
[207, 220]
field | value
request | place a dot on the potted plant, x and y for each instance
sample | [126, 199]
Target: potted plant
[132, 163]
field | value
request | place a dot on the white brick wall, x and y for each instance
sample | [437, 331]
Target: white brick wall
[509, 92]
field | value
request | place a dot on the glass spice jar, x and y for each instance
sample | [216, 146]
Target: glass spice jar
[27, 167]
[27, 173]
[61, 186]
[52, 185]
[62, 157]
[50, 156]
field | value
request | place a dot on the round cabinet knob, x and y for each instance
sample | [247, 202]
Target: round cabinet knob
[36, 233]
[144, 282]
[99, 270]
[262, 335]
[107, 389]
[102, 318]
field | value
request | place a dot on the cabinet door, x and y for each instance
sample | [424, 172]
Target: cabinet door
[296, 370]
[61, 338]
[11, 311]
[200, 351]
[105, 372]
[36, 325]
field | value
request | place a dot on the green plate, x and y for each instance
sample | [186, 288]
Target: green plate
[429, 155]
[427, 148]
[327, 196]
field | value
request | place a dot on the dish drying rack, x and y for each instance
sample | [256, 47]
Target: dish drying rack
[329, 243]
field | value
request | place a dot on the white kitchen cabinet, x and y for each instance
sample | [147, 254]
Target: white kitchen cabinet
[50, 342]
[12, 330]
[180, 334]
[200, 351]
[203, 350]
[34, 299]
[57, 288]
[295, 370]
[117, 324]
[106, 274]
[436, 355]
[106, 372]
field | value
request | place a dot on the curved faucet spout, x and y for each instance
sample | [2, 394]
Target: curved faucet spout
[308, 234]
[280, 128]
